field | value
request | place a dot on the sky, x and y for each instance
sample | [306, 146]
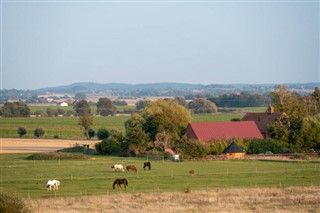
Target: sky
[55, 42]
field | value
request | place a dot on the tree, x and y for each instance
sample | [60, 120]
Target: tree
[21, 131]
[86, 121]
[285, 101]
[136, 138]
[309, 136]
[119, 102]
[105, 107]
[81, 107]
[168, 116]
[181, 100]
[103, 133]
[51, 112]
[38, 132]
[202, 105]
[108, 146]
[141, 104]
[91, 133]
[15, 109]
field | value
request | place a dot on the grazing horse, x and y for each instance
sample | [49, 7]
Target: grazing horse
[131, 168]
[117, 168]
[53, 185]
[118, 182]
[147, 164]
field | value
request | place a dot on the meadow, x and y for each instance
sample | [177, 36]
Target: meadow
[68, 128]
[28, 178]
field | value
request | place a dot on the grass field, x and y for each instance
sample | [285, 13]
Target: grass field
[27, 178]
[67, 128]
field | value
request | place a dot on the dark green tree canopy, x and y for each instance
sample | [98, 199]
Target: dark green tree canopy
[15, 109]
[81, 107]
[21, 131]
[38, 132]
[105, 107]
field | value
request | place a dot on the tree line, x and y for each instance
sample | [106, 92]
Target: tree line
[161, 124]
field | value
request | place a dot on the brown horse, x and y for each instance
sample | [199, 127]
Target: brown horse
[118, 182]
[146, 164]
[131, 168]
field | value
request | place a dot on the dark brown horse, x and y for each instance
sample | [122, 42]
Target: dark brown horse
[118, 182]
[131, 168]
[146, 164]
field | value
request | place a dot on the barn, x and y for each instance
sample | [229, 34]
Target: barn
[211, 131]
[233, 151]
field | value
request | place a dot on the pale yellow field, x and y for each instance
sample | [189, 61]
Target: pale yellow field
[292, 199]
[21, 145]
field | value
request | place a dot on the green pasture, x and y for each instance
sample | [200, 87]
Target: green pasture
[42, 108]
[28, 178]
[68, 128]
[63, 127]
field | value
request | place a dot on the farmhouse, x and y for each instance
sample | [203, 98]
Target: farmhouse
[263, 119]
[233, 151]
[207, 131]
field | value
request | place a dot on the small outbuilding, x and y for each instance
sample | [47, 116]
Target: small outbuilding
[233, 151]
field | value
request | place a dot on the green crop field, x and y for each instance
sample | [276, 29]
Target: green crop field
[28, 178]
[64, 127]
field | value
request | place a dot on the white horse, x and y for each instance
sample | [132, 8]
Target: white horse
[117, 168]
[53, 185]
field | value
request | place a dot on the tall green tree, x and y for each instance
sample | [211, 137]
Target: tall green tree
[309, 136]
[168, 116]
[81, 107]
[105, 107]
[86, 122]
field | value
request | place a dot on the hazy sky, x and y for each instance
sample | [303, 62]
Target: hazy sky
[54, 43]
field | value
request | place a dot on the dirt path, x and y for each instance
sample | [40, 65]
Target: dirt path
[22, 145]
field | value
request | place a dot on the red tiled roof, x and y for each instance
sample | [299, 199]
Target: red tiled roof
[206, 131]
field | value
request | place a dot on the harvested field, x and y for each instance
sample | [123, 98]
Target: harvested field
[22, 145]
[291, 199]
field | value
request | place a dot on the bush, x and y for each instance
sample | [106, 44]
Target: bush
[38, 132]
[103, 133]
[217, 147]
[11, 203]
[91, 133]
[191, 149]
[108, 146]
[76, 148]
[21, 131]
[258, 146]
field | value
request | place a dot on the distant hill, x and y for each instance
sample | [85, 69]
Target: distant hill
[85, 86]
[120, 86]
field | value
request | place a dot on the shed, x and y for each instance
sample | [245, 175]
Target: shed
[233, 151]
[88, 149]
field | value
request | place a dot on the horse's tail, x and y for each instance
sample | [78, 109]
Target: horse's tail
[126, 182]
